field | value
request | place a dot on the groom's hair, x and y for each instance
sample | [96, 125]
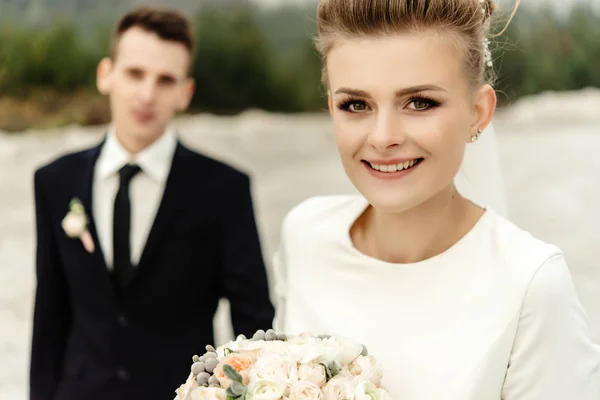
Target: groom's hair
[167, 24]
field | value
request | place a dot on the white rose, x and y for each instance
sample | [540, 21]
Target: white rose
[276, 368]
[74, 224]
[340, 388]
[305, 353]
[313, 372]
[184, 391]
[263, 389]
[367, 368]
[305, 390]
[305, 338]
[340, 349]
[366, 390]
[239, 345]
[273, 348]
[303, 348]
[208, 393]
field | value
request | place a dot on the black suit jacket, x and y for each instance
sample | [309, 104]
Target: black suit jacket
[89, 342]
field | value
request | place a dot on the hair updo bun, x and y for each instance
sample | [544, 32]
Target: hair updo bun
[470, 19]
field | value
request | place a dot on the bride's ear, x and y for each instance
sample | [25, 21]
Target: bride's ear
[484, 108]
[103, 75]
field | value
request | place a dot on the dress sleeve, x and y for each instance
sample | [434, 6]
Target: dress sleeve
[553, 356]
[280, 290]
[279, 263]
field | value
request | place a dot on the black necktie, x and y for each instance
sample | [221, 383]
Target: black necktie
[123, 269]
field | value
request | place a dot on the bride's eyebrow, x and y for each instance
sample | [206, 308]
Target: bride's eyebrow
[352, 92]
[399, 93]
[420, 88]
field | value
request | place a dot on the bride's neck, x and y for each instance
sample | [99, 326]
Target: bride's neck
[419, 233]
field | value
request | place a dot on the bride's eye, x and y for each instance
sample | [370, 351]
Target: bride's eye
[353, 106]
[422, 104]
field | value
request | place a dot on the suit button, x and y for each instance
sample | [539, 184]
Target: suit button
[122, 320]
[123, 374]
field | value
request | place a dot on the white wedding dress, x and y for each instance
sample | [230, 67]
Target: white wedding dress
[494, 317]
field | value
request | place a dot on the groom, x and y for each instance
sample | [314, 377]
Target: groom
[124, 302]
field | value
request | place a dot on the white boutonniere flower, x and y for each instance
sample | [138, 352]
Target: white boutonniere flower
[75, 224]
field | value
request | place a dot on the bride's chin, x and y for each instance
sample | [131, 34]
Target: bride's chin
[390, 203]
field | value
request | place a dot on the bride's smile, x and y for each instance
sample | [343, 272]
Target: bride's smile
[393, 169]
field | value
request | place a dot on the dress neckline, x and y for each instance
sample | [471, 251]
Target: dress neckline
[360, 206]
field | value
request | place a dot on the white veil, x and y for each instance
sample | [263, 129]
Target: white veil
[480, 177]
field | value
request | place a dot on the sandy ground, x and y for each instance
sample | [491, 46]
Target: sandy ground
[547, 147]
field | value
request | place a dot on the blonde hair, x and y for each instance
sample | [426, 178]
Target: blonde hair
[469, 20]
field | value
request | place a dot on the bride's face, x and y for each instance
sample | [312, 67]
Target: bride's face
[403, 111]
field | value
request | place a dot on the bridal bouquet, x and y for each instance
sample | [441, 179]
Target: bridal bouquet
[273, 366]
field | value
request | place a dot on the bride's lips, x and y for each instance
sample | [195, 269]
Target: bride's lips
[392, 169]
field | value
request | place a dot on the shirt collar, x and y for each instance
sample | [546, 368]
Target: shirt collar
[155, 160]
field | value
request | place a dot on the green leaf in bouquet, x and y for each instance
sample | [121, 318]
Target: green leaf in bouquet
[335, 368]
[232, 374]
[332, 369]
[227, 351]
[365, 351]
[235, 390]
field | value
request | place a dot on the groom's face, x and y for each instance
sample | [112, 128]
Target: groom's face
[147, 83]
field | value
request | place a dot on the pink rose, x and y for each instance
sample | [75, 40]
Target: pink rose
[305, 390]
[340, 388]
[275, 368]
[367, 368]
[241, 362]
[313, 372]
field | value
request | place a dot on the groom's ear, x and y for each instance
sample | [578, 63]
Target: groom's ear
[103, 75]
[187, 93]
[484, 108]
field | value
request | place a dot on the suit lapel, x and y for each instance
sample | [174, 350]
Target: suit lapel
[173, 193]
[84, 192]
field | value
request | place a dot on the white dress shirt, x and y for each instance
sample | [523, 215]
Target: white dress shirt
[145, 191]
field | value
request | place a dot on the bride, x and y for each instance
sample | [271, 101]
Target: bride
[453, 299]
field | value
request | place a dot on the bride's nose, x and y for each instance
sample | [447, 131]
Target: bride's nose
[386, 132]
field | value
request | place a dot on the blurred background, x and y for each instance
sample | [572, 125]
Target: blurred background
[259, 106]
[251, 55]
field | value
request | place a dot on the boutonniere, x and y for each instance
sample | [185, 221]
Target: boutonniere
[75, 224]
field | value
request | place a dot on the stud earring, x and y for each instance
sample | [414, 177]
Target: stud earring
[475, 137]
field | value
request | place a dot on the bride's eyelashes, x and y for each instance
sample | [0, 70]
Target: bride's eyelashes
[418, 103]
[423, 103]
[352, 105]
